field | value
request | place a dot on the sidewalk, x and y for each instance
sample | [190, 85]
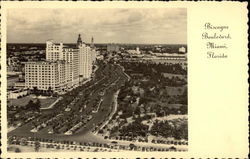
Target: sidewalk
[53, 104]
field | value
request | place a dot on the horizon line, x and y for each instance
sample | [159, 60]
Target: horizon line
[103, 43]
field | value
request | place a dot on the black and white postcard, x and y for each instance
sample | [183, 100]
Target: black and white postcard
[124, 79]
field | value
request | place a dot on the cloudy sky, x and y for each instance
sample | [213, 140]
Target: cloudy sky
[162, 26]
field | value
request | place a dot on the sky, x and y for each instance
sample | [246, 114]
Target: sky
[140, 26]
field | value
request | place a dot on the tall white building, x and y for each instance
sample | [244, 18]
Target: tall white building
[86, 63]
[87, 56]
[56, 52]
[46, 75]
[64, 67]
[53, 51]
[71, 55]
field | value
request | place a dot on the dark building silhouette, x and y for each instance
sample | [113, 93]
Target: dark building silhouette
[79, 40]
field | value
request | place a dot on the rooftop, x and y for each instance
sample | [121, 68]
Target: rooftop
[46, 62]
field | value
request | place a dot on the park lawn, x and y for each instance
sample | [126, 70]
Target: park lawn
[25, 100]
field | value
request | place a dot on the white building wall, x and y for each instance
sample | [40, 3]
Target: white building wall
[182, 49]
[86, 62]
[17, 93]
[63, 68]
[53, 51]
[46, 75]
[72, 57]
[40, 75]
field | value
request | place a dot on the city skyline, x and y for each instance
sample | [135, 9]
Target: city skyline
[135, 26]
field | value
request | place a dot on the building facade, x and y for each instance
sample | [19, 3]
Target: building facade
[53, 51]
[85, 57]
[65, 67]
[71, 56]
[46, 75]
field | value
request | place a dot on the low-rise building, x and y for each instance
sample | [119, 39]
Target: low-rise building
[17, 93]
[136, 51]
[182, 49]
[19, 85]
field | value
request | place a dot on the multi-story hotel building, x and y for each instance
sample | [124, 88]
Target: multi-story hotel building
[64, 67]
[46, 75]
[53, 51]
[87, 57]
[71, 55]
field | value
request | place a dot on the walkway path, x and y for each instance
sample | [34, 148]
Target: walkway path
[52, 105]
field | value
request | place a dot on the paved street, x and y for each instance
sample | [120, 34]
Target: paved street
[107, 80]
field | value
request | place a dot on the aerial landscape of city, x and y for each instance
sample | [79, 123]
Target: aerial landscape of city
[93, 82]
